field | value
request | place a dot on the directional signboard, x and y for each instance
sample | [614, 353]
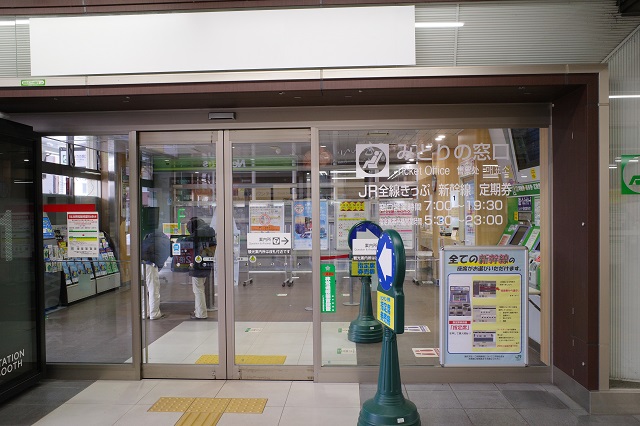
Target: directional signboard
[391, 264]
[363, 241]
[268, 243]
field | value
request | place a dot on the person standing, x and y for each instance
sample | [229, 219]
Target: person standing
[204, 248]
[155, 250]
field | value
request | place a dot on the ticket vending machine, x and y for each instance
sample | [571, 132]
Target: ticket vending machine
[523, 229]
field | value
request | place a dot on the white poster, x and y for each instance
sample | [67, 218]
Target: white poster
[266, 217]
[348, 214]
[82, 234]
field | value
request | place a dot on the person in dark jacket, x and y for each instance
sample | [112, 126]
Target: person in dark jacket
[204, 248]
[155, 250]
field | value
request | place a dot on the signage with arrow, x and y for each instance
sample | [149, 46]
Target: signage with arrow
[268, 243]
[363, 240]
[391, 264]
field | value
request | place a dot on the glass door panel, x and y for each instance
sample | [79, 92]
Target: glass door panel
[178, 241]
[271, 222]
[373, 174]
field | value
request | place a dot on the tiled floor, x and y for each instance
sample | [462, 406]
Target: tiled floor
[120, 403]
[189, 340]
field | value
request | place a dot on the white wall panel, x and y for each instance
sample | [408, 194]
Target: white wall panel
[234, 40]
[7, 47]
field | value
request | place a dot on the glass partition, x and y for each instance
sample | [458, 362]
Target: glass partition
[87, 284]
[436, 188]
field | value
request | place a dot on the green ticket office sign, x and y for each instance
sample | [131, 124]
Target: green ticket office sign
[630, 174]
[483, 306]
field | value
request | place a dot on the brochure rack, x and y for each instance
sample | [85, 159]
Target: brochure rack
[78, 278]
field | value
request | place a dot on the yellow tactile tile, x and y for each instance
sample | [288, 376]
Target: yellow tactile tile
[208, 359]
[246, 359]
[209, 405]
[261, 359]
[171, 405]
[246, 405]
[199, 419]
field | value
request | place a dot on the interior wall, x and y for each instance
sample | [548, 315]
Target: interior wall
[575, 232]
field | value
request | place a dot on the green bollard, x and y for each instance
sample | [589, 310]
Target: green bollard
[388, 406]
[365, 328]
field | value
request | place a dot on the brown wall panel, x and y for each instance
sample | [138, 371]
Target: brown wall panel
[575, 233]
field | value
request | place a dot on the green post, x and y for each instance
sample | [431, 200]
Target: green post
[365, 328]
[388, 406]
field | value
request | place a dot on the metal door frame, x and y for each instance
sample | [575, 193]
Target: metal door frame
[196, 371]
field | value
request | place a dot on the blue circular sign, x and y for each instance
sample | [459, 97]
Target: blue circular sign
[386, 261]
[366, 230]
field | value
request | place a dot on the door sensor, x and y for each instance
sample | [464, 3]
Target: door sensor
[222, 116]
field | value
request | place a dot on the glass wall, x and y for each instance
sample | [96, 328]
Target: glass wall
[87, 297]
[624, 197]
[436, 188]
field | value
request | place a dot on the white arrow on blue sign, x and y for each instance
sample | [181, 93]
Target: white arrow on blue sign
[385, 259]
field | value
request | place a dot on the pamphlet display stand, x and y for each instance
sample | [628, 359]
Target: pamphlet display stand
[78, 278]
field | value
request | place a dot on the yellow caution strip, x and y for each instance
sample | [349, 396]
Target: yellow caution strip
[246, 359]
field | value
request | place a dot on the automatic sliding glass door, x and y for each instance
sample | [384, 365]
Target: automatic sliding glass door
[226, 254]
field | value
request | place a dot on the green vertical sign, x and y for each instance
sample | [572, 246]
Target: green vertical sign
[327, 288]
[630, 174]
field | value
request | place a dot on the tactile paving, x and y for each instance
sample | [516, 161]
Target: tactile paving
[260, 359]
[208, 359]
[171, 405]
[199, 419]
[246, 405]
[246, 359]
[209, 405]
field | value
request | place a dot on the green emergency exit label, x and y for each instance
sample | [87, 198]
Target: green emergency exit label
[31, 83]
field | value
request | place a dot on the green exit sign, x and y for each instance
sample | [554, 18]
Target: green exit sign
[31, 83]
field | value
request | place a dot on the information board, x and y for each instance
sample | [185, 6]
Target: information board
[266, 217]
[348, 214]
[483, 306]
[363, 241]
[82, 234]
[268, 243]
